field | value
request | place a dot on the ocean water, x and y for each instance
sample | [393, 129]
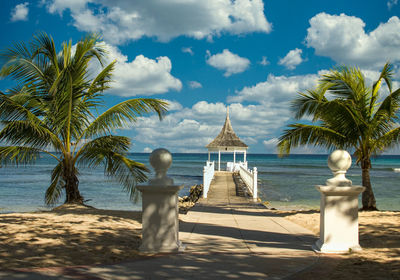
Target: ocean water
[285, 183]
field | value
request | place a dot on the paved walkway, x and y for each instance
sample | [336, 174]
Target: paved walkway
[226, 237]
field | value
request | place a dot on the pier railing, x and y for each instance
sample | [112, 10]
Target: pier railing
[235, 166]
[208, 175]
[249, 177]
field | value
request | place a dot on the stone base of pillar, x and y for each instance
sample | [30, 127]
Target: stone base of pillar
[335, 248]
[338, 219]
[160, 219]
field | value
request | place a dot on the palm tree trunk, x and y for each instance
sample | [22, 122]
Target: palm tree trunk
[72, 191]
[71, 183]
[368, 197]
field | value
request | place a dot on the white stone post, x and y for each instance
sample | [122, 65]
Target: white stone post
[339, 208]
[160, 221]
[255, 190]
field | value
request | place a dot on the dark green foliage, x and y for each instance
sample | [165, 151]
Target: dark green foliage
[52, 109]
[347, 114]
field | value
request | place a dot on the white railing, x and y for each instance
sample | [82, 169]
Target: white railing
[235, 166]
[249, 177]
[208, 175]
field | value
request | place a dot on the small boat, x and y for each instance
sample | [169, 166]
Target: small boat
[397, 170]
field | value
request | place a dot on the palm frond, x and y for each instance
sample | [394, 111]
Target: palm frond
[119, 115]
[101, 81]
[307, 104]
[54, 191]
[389, 140]
[87, 153]
[15, 155]
[110, 151]
[301, 134]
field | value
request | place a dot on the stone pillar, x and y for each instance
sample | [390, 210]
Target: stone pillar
[339, 208]
[160, 215]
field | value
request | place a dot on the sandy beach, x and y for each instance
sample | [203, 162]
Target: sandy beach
[379, 238]
[68, 236]
[82, 236]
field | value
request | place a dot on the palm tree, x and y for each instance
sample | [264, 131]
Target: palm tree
[347, 114]
[53, 110]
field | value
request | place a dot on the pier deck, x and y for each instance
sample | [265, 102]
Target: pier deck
[223, 191]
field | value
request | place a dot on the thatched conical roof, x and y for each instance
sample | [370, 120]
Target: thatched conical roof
[227, 138]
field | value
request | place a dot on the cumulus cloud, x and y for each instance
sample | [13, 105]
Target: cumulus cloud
[141, 76]
[147, 150]
[20, 12]
[194, 85]
[292, 59]
[270, 145]
[265, 112]
[201, 123]
[173, 105]
[276, 90]
[229, 62]
[264, 61]
[343, 38]
[123, 20]
[188, 50]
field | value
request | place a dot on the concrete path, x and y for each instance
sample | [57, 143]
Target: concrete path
[226, 237]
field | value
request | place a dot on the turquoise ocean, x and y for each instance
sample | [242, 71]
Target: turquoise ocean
[286, 183]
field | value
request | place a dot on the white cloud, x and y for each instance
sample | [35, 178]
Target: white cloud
[229, 62]
[343, 38]
[123, 20]
[201, 123]
[20, 12]
[141, 76]
[188, 50]
[391, 3]
[270, 145]
[147, 150]
[264, 61]
[173, 105]
[276, 90]
[194, 84]
[253, 123]
[292, 59]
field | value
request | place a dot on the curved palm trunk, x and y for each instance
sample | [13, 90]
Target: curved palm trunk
[368, 197]
[71, 183]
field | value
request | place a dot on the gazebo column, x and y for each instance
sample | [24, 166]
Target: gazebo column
[234, 156]
[219, 160]
[244, 157]
[208, 155]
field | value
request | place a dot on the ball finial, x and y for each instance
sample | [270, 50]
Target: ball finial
[161, 159]
[339, 162]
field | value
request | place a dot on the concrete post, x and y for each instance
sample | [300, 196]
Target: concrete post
[255, 190]
[160, 223]
[339, 209]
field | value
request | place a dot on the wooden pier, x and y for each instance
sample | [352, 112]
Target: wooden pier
[226, 189]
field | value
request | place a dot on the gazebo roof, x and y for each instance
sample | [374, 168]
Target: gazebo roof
[227, 137]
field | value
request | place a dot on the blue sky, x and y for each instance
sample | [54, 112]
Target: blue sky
[202, 56]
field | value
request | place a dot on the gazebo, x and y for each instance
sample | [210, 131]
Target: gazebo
[227, 141]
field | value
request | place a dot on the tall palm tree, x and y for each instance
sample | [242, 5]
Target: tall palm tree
[53, 109]
[347, 114]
